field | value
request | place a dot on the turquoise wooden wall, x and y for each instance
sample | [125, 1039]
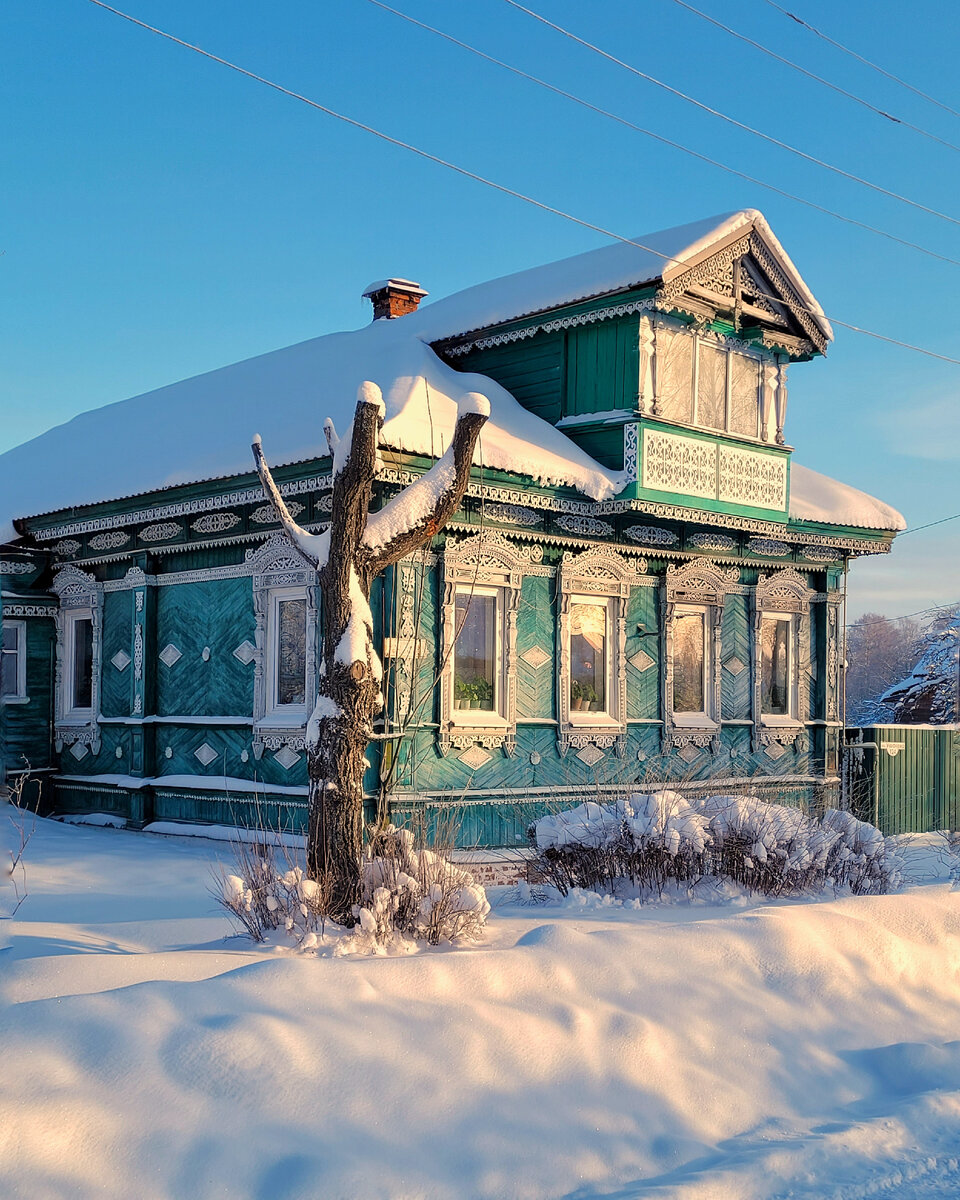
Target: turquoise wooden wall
[26, 727]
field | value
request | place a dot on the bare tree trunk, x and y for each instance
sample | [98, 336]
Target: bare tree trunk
[356, 548]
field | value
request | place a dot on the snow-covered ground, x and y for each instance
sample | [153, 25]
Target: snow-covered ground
[584, 1050]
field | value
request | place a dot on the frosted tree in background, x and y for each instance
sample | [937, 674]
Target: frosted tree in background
[930, 694]
[880, 652]
[348, 556]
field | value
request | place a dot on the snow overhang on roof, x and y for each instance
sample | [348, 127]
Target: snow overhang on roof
[661, 256]
[816, 497]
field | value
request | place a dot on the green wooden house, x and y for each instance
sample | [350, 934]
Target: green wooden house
[641, 585]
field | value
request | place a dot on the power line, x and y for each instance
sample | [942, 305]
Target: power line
[665, 140]
[929, 525]
[502, 188]
[818, 78]
[906, 616]
[714, 112]
[860, 58]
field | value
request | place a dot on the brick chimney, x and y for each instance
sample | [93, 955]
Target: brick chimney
[394, 297]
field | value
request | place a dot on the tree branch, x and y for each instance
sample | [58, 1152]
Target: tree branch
[354, 466]
[312, 546]
[411, 519]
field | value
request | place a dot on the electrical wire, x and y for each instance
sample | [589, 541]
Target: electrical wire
[818, 78]
[714, 112]
[502, 188]
[668, 141]
[929, 525]
[860, 58]
[922, 612]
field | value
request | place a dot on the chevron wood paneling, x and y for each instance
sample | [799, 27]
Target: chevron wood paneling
[116, 687]
[735, 697]
[536, 626]
[217, 614]
[643, 687]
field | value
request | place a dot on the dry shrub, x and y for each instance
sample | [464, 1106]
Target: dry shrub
[661, 838]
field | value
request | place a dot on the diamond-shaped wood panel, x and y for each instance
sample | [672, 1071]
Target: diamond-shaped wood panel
[641, 660]
[474, 757]
[536, 656]
[590, 754]
[286, 757]
[775, 751]
[206, 754]
[688, 752]
[79, 750]
[121, 660]
[170, 654]
[734, 665]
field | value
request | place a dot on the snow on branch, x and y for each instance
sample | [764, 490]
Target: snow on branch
[413, 516]
[315, 547]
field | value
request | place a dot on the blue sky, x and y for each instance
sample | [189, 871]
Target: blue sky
[161, 215]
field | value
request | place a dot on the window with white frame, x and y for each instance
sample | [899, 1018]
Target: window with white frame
[77, 682]
[478, 661]
[693, 693]
[594, 590]
[590, 659]
[777, 650]
[13, 662]
[705, 382]
[286, 670]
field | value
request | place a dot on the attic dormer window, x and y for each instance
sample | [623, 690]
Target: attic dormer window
[705, 382]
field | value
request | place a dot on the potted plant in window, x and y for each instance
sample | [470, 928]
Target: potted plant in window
[591, 701]
[474, 696]
[463, 693]
[576, 696]
[483, 689]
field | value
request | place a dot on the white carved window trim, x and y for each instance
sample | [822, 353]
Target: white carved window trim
[19, 654]
[601, 575]
[491, 562]
[81, 597]
[611, 715]
[280, 572]
[709, 718]
[779, 593]
[700, 584]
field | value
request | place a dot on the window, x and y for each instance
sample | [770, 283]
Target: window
[78, 664]
[13, 662]
[777, 669]
[287, 658]
[589, 657]
[692, 670]
[594, 592]
[703, 382]
[477, 686]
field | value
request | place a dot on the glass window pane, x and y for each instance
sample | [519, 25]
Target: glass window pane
[82, 663]
[475, 653]
[588, 657]
[675, 375]
[292, 652]
[775, 667]
[711, 387]
[744, 395]
[688, 663]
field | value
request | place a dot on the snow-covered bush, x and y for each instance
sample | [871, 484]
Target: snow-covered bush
[862, 857]
[408, 894]
[652, 840]
[646, 839]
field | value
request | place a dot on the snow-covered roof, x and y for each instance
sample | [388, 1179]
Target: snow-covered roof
[201, 428]
[599, 272]
[816, 497]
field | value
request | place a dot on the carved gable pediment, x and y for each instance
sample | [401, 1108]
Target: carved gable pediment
[700, 581]
[748, 278]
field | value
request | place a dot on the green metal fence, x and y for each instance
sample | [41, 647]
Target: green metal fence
[904, 778]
